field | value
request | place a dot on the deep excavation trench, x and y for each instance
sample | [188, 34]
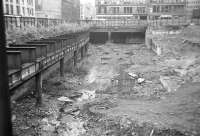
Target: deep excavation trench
[103, 97]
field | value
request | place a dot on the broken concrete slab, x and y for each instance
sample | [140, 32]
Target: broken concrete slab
[171, 84]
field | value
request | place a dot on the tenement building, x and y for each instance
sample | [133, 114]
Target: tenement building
[121, 9]
[174, 8]
[19, 8]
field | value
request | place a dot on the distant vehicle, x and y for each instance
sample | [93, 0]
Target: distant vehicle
[165, 17]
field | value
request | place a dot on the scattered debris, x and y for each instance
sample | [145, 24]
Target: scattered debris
[134, 76]
[171, 84]
[141, 80]
[87, 95]
[65, 99]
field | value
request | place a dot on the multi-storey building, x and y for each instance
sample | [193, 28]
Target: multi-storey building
[70, 10]
[157, 8]
[58, 9]
[119, 9]
[87, 11]
[19, 7]
[191, 5]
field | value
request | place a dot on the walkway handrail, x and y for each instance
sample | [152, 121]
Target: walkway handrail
[136, 23]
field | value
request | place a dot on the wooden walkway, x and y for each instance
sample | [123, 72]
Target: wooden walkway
[31, 59]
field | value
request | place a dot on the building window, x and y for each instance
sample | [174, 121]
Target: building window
[7, 9]
[99, 10]
[105, 10]
[23, 10]
[11, 9]
[11, 1]
[17, 1]
[28, 11]
[18, 10]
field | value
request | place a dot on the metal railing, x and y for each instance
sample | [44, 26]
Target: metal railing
[20, 22]
[130, 23]
[48, 52]
[114, 23]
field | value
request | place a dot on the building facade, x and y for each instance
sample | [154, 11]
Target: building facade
[70, 10]
[48, 8]
[59, 9]
[192, 5]
[24, 8]
[121, 9]
[87, 11]
[157, 8]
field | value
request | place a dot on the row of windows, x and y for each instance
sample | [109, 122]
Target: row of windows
[167, 1]
[193, 2]
[120, 2]
[168, 8]
[9, 9]
[30, 2]
[125, 10]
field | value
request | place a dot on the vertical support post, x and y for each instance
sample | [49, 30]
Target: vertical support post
[109, 36]
[75, 58]
[38, 81]
[5, 111]
[62, 67]
[86, 48]
[82, 52]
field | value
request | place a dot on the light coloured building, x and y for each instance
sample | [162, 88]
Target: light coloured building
[19, 7]
[48, 8]
[87, 11]
[121, 9]
[157, 8]
[191, 5]
[58, 9]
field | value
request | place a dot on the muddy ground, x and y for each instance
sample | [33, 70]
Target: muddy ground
[118, 90]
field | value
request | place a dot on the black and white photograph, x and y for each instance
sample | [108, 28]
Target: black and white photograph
[100, 68]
